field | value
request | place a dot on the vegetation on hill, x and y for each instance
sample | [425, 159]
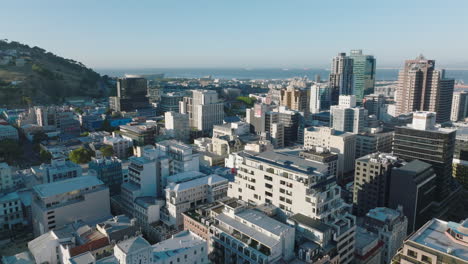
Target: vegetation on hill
[31, 75]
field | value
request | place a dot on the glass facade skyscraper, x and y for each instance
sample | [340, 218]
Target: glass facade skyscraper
[363, 74]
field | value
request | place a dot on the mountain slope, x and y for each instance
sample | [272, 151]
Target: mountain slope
[33, 75]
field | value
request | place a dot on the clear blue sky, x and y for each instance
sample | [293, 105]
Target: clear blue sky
[238, 33]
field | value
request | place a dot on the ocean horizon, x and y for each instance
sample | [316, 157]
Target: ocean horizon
[258, 74]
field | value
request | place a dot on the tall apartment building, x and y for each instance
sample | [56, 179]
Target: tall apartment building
[183, 196]
[413, 187]
[290, 124]
[436, 242]
[459, 106]
[6, 180]
[374, 140]
[341, 77]
[255, 117]
[204, 109]
[132, 94]
[296, 185]
[58, 169]
[177, 125]
[346, 117]
[460, 159]
[423, 88]
[295, 99]
[341, 143]
[109, 171]
[60, 203]
[54, 118]
[363, 74]
[375, 105]
[320, 97]
[390, 226]
[372, 178]
[170, 102]
[424, 141]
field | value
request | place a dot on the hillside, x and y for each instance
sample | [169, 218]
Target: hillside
[31, 75]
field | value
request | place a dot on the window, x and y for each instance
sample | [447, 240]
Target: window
[412, 253]
[269, 194]
[426, 259]
[269, 186]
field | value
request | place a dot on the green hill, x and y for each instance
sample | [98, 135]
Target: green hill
[33, 75]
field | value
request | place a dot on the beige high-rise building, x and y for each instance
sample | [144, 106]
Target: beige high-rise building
[423, 88]
[295, 99]
[204, 109]
[459, 106]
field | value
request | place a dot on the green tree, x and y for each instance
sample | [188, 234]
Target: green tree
[10, 151]
[84, 134]
[81, 155]
[78, 110]
[45, 155]
[39, 136]
[107, 151]
[246, 100]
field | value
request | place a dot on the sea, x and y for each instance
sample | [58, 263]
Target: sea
[260, 74]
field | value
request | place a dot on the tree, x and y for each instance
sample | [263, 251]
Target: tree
[81, 155]
[106, 126]
[248, 101]
[45, 155]
[78, 110]
[107, 151]
[10, 150]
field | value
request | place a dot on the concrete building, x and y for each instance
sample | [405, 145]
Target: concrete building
[177, 126]
[343, 144]
[375, 105]
[346, 117]
[6, 180]
[423, 88]
[341, 76]
[54, 118]
[363, 74]
[391, 227]
[255, 117]
[424, 141]
[8, 132]
[141, 135]
[436, 242]
[284, 179]
[459, 106]
[59, 169]
[295, 99]
[132, 91]
[60, 203]
[181, 197]
[368, 247]
[122, 146]
[11, 211]
[373, 140]
[320, 97]
[204, 109]
[460, 158]
[109, 171]
[170, 102]
[372, 178]
[413, 187]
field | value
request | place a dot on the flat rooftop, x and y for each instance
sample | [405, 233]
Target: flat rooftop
[180, 242]
[433, 235]
[207, 180]
[68, 185]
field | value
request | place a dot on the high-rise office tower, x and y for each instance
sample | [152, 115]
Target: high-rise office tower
[341, 77]
[132, 94]
[375, 105]
[460, 159]
[347, 117]
[295, 99]
[204, 109]
[320, 95]
[459, 106]
[422, 88]
[363, 74]
[425, 142]
[372, 181]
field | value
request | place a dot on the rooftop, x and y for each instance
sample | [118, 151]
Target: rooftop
[68, 185]
[178, 243]
[383, 214]
[133, 244]
[310, 222]
[433, 235]
[207, 180]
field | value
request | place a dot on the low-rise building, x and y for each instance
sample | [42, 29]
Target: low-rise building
[11, 211]
[368, 247]
[109, 171]
[6, 180]
[59, 169]
[8, 132]
[120, 145]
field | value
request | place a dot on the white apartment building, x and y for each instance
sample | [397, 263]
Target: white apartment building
[243, 235]
[8, 132]
[296, 185]
[177, 125]
[120, 145]
[341, 143]
[58, 169]
[231, 129]
[390, 225]
[320, 96]
[63, 202]
[346, 117]
[204, 109]
[6, 181]
[185, 195]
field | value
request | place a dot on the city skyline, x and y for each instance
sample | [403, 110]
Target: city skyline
[239, 35]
